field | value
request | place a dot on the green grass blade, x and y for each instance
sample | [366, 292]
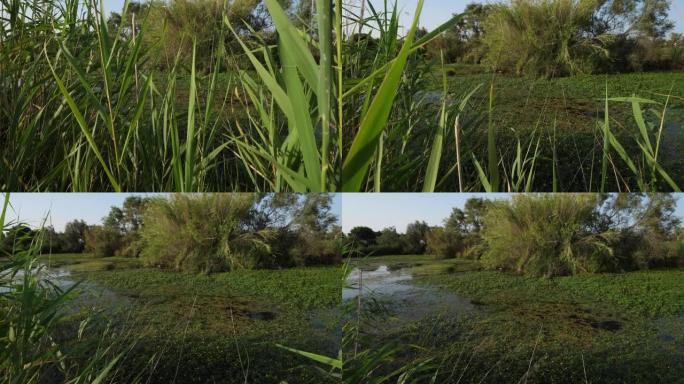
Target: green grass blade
[84, 127]
[492, 158]
[364, 145]
[335, 363]
[438, 140]
[189, 175]
[606, 142]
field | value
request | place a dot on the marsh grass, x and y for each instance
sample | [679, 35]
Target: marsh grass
[394, 127]
[43, 335]
[570, 308]
[302, 89]
[83, 112]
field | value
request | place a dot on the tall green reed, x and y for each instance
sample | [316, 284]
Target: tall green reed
[394, 141]
[41, 331]
[302, 89]
[84, 111]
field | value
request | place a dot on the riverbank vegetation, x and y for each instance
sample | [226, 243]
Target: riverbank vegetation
[216, 311]
[528, 287]
[545, 234]
[204, 232]
[167, 96]
[480, 104]
[609, 327]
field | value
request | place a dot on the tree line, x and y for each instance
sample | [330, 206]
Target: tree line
[546, 234]
[549, 38]
[202, 233]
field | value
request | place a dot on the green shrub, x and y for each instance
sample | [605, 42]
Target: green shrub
[203, 233]
[547, 235]
[444, 244]
[103, 241]
[542, 37]
[313, 249]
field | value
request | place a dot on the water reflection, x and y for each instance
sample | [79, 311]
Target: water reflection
[394, 286]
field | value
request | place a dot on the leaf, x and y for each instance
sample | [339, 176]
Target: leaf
[363, 147]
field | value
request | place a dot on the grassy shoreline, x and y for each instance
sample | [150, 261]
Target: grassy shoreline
[609, 328]
[221, 327]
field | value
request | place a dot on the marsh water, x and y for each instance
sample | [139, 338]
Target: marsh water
[391, 288]
[88, 294]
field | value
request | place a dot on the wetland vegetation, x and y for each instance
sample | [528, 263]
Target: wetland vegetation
[521, 96]
[221, 308]
[522, 289]
[178, 95]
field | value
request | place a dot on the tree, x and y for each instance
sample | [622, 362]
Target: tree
[468, 220]
[115, 220]
[314, 213]
[552, 235]
[17, 238]
[389, 242]
[362, 237]
[543, 37]
[547, 235]
[175, 27]
[415, 240]
[567, 37]
[133, 210]
[653, 20]
[73, 239]
[103, 241]
[315, 225]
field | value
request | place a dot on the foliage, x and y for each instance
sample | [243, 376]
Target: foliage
[38, 326]
[222, 232]
[73, 237]
[18, 237]
[172, 27]
[70, 76]
[543, 37]
[103, 241]
[204, 233]
[561, 234]
[295, 92]
[388, 242]
[560, 319]
[415, 240]
[362, 236]
[546, 235]
[445, 244]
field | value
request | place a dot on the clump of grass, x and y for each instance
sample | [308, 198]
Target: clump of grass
[36, 316]
[302, 90]
[565, 234]
[202, 233]
[501, 143]
[69, 77]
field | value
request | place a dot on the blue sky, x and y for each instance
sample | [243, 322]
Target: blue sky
[61, 208]
[397, 210]
[381, 210]
[436, 12]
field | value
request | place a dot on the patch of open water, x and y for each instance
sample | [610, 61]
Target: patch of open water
[88, 294]
[404, 300]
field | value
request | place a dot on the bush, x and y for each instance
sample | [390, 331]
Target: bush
[444, 244]
[103, 241]
[547, 235]
[203, 233]
[312, 249]
[542, 37]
